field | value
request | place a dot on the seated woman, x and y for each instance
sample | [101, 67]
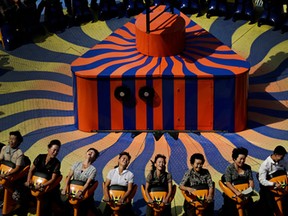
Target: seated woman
[85, 172]
[122, 177]
[237, 172]
[15, 161]
[158, 177]
[48, 165]
[195, 177]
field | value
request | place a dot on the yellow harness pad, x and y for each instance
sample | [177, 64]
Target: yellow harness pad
[283, 181]
[197, 198]
[74, 188]
[230, 194]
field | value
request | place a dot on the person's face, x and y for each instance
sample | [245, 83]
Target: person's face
[91, 154]
[53, 151]
[124, 161]
[197, 165]
[278, 157]
[240, 160]
[160, 164]
[13, 142]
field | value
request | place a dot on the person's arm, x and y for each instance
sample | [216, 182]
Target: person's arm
[19, 165]
[127, 193]
[147, 185]
[81, 193]
[29, 176]
[67, 180]
[184, 182]
[167, 198]
[106, 190]
[263, 171]
[233, 189]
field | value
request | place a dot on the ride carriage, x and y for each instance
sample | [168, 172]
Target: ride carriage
[39, 178]
[7, 183]
[116, 192]
[158, 194]
[242, 186]
[279, 193]
[198, 198]
[74, 187]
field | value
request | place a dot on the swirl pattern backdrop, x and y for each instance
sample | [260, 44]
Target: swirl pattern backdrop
[36, 98]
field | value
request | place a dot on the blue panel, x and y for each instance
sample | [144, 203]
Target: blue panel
[168, 103]
[224, 104]
[129, 112]
[191, 102]
[104, 105]
[149, 107]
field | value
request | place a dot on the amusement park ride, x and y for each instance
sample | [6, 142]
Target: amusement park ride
[159, 72]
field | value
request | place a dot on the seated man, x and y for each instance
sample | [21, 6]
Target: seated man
[272, 166]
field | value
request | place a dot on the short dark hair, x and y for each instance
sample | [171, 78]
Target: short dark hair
[18, 136]
[54, 142]
[237, 151]
[125, 153]
[197, 156]
[280, 150]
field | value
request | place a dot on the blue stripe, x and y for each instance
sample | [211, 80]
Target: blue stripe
[283, 114]
[268, 131]
[239, 141]
[280, 73]
[33, 94]
[31, 138]
[273, 96]
[224, 104]
[75, 98]
[149, 107]
[191, 101]
[138, 168]
[19, 117]
[129, 111]
[22, 76]
[177, 167]
[104, 105]
[168, 103]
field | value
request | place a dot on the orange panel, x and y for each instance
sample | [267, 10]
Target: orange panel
[179, 104]
[87, 102]
[116, 107]
[241, 95]
[166, 36]
[205, 104]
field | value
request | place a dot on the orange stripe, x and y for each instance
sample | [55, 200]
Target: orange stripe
[205, 104]
[158, 103]
[83, 61]
[179, 104]
[116, 107]
[141, 72]
[233, 69]
[133, 62]
[241, 91]
[141, 109]
[87, 102]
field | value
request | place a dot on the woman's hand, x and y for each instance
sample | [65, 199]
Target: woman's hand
[209, 199]
[190, 190]
[79, 194]
[63, 191]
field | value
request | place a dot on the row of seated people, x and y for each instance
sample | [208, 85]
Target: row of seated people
[39, 182]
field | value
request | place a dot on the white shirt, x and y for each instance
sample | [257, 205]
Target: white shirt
[120, 179]
[269, 167]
